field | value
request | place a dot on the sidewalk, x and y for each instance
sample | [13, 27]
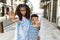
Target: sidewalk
[48, 31]
[9, 33]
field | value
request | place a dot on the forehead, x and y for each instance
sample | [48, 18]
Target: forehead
[22, 8]
[34, 17]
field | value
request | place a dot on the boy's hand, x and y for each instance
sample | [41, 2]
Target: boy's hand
[38, 24]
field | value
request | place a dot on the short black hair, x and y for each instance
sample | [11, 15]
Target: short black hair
[34, 15]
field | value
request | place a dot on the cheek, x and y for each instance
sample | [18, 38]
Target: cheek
[23, 13]
[36, 19]
[32, 21]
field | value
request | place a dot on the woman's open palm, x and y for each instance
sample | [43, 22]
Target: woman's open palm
[12, 16]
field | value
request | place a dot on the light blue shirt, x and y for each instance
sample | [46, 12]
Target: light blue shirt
[22, 29]
[33, 33]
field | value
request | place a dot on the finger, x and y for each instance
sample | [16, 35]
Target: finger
[9, 13]
[37, 23]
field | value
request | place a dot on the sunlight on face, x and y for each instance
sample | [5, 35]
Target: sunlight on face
[34, 19]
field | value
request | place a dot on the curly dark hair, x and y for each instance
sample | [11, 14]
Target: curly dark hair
[18, 12]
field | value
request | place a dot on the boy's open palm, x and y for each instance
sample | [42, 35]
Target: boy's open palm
[38, 24]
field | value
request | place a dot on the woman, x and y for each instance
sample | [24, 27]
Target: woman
[22, 19]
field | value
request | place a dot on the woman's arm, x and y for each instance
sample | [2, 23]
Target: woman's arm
[15, 20]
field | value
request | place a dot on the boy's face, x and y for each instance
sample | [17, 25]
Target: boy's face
[34, 19]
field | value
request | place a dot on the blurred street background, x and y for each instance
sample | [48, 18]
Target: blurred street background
[47, 10]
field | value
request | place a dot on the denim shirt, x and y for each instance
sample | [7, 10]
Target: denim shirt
[22, 29]
[33, 32]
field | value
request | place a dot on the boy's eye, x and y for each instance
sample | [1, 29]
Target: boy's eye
[32, 19]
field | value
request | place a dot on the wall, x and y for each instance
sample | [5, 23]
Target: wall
[58, 12]
[58, 8]
[36, 7]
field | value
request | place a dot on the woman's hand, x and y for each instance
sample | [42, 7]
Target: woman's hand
[12, 16]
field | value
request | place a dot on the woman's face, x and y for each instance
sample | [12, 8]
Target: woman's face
[23, 11]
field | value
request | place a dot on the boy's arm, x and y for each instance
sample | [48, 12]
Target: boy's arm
[38, 38]
[38, 24]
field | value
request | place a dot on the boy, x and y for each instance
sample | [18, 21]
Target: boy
[34, 27]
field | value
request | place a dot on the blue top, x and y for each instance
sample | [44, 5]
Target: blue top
[22, 29]
[33, 33]
[25, 30]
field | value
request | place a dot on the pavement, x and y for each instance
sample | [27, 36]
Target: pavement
[48, 31]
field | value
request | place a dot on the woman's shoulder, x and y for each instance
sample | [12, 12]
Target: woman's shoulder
[30, 21]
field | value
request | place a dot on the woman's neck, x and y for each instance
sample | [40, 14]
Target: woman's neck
[23, 16]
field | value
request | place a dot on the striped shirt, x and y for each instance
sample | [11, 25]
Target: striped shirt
[33, 33]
